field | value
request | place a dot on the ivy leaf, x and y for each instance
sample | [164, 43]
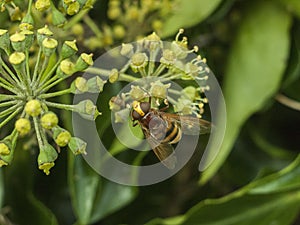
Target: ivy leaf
[292, 5]
[188, 13]
[263, 201]
[255, 67]
[1, 188]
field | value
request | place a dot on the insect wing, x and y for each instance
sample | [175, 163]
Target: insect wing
[189, 125]
[163, 151]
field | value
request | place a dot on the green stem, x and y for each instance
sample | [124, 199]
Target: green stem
[9, 103]
[127, 78]
[98, 71]
[60, 106]
[177, 76]
[45, 77]
[143, 72]
[92, 25]
[9, 79]
[38, 132]
[74, 20]
[11, 116]
[10, 72]
[28, 70]
[49, 84]
[35, 72]
[44, 66]
[9, 110]
[159, 70]
[54, 94]
[4, 97]
[8, 88]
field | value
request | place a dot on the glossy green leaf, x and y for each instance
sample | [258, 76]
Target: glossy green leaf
[247, 210]
[84, 184]
[189, 13]
[255, 67]
[292, 5]
[19, 193]
[263, 201]
[1, 188]
[113, 197]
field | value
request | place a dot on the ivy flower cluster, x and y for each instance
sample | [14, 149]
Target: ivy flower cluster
[151, 66]
[58, 10]
[130, 19]
[26, 100]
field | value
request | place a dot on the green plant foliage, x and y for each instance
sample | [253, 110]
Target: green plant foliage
[252, 48]
[260, 202]
[254, 69]
[189, 13]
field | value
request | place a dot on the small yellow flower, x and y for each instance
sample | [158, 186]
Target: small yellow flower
[23, 126]
[49, 120]
[4, 149]
[33, 108]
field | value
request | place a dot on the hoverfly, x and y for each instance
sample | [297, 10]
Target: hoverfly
[162, 129]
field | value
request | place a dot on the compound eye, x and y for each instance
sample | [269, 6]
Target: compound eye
[135, 115]
[145, 106]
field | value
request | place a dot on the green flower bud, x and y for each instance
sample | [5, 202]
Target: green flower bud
[190, 92]
[136, 93]
[42, 5]
[61, 136]
[69, 48]
[79, 85]
[184, 106]
[77, 146]
[122, 115]
[157, 25]
[116, 103]
[58, 18]
[84, 61]
[49, 46]
[33, 108]
[119, 31]
[43, 33]
[4, 40]
[114, 13]
[17, 58]
[65, 69]
[15, 14]
[89, 4]
[87, 109]
[29, 38]
[49, 120]
[159, 90]
[7, 148]
[77, 29]
[113, 76]
[153, 41]
[127, 50]
[73, 8]
[3, 163]
[23, 126]
[95, 85]
[138, 61]
[68, 2]
[168, 58]
[4, 149]
[46, 158]
[18, 42]
[28, 19]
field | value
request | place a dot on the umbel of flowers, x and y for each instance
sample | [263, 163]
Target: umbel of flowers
[151, 66]
[27, 101]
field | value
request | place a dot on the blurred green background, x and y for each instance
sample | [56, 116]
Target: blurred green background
[253, 48]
